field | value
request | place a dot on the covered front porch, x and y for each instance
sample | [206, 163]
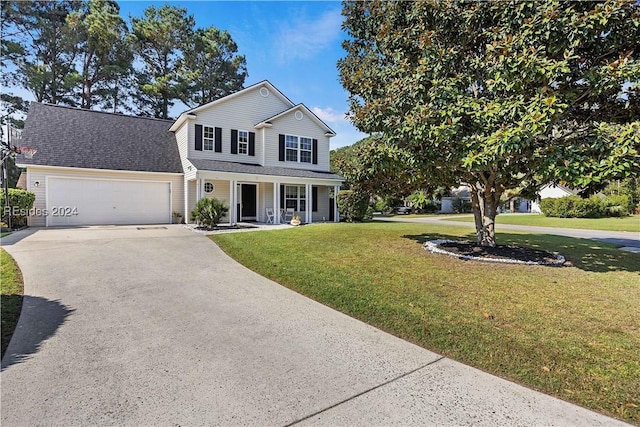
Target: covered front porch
[265, 199]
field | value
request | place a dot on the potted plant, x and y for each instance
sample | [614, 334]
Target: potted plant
[177, 218]
[295, 220]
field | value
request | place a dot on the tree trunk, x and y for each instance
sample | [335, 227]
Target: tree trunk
[485, 202]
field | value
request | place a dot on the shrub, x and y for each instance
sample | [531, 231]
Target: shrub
[433, 207]
[460, 205]
[577, 207]
[209, 212]
[20, 202]
[353, 205]
[617, 205]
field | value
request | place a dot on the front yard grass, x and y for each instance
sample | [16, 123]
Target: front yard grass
[629, 223]
[572, 332]
[11, 290]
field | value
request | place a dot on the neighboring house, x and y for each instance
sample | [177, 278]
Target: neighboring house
[255, 150]
[461, 192]
[550, 191]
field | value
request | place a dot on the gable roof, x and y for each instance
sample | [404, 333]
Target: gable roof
[74, 137]
[234, 167]
[303, 107]
[193, 112]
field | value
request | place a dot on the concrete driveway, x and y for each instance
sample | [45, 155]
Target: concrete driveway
[157, 326]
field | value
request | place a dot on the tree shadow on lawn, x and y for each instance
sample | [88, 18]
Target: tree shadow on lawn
[39, 320]
[585, 254]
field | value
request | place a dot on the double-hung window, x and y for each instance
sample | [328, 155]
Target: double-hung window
[295, 197]
[243, 142]
[291, 144]
[207, 138]
[298, 149]
[305, 150]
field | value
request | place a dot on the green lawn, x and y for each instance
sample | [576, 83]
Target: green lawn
[629, 223]
[11, 290]
[572, 332]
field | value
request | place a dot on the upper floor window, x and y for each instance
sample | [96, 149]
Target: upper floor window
[207, 138]
[298, 149]
[243, 142]
[291, 143]
[305, 150]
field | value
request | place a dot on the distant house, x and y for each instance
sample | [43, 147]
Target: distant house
[461, 192]
[255, 150]
[550, 192]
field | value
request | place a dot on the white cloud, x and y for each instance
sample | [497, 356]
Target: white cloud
[302, 39]
[329, 115]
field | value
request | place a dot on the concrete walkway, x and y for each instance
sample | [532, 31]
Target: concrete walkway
[628, 240]
[157, 326]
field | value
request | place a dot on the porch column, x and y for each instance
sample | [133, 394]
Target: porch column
[187, 216]
[276, 211]
[277, 203]
[232, 208]
[235, 202]
[336, 214]
[309, 196]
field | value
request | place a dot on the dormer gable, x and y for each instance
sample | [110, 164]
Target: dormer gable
[264, 88]
[298, 111]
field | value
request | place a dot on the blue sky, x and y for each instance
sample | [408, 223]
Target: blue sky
[293, 44]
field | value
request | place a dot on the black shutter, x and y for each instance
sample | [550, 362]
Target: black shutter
[314, 199]
[281, 136]
[234, 141]
[218, 140]
[314, 153]
[282, 206]
[252, 143]
[198, 137]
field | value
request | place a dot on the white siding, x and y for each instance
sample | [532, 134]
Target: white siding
[323, 205]
[241, 113]
[40, 175]
[548, 192]
[288, 124]
[182, 139]
[266, 200]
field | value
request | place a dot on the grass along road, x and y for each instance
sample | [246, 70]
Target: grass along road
[11, 290]
[629, 223]
[572, 332]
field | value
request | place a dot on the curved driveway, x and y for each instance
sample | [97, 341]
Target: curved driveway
[157, 326]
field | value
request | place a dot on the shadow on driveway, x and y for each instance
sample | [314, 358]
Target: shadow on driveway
[39, 321]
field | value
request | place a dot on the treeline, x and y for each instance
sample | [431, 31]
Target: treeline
[84, 54]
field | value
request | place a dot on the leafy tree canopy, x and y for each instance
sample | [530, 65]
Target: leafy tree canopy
[497, 95]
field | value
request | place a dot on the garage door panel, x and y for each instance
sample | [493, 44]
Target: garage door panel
[99, 202]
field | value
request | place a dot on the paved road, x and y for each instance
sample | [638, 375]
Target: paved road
[627, 239]
[157, 326]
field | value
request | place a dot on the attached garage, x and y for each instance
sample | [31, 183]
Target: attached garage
[82, 201]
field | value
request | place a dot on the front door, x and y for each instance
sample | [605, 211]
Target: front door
[248, 197]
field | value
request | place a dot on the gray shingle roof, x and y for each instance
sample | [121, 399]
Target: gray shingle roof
[222, 166]
[73, 137]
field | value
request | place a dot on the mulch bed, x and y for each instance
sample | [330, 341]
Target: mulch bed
[499, 253]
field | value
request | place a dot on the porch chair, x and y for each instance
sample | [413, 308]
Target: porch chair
[288, 214]
[270, 216]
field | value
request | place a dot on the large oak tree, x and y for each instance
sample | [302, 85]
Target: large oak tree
[495, 95]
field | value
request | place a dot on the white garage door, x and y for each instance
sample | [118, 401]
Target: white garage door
[100, 202]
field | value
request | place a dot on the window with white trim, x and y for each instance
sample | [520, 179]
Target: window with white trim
[243, 142]
[291, 144]
[298, 149]
[305, 150]
[295, 197]
[207, 138]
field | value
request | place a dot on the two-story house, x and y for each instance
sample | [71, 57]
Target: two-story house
[255, 150]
